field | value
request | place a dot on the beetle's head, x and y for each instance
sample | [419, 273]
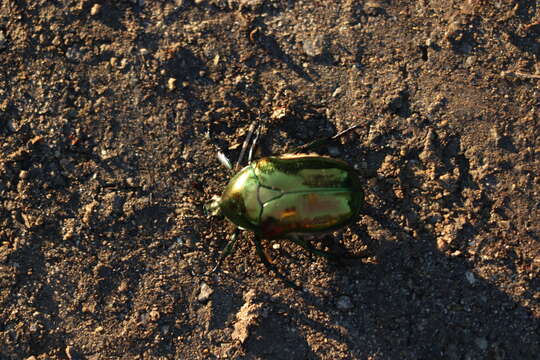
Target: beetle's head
[212, 208]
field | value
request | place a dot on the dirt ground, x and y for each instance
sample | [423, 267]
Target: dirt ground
[111, 115]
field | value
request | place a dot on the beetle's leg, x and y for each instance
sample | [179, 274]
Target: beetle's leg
[271, 266]
[227, 251]
[251, 130]
[307, 245]
[319, 142]
[326, 254]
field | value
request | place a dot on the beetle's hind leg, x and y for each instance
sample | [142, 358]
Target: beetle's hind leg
[270, 266]
[326, 254]
[307, 246]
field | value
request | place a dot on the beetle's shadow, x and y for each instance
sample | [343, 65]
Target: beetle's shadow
[415, 285]
[416, 292]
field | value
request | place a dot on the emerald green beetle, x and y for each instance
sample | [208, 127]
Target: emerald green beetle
[282, 197]
[297, 193]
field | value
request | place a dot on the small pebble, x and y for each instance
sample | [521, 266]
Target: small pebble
[469, 62]
[171, 84]
[344, 303]
[96, 9]
[205, 293]
[337, 92]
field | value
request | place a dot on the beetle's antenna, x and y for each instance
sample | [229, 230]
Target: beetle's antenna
[254, 143]
[343, 132]
[319, 142]
[246, 142]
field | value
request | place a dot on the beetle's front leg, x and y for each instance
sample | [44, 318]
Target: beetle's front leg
[270, 266]
[227, 251]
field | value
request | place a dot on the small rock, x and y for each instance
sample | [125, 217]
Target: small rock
[337, 92]
[171, 84]
[88, 209]
[279, 113]
[314, 46]
[123, 286]
[205, 293]
[154, 315]
[469, 62]
[131, 182]
[96, 9]
[344, 303]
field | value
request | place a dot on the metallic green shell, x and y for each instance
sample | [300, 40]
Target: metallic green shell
[275, 196]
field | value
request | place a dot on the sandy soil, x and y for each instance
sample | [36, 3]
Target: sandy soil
[111, 115]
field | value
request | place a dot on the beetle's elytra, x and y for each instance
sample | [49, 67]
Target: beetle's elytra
[297, 193]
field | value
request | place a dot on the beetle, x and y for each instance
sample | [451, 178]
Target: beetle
[282, 197]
